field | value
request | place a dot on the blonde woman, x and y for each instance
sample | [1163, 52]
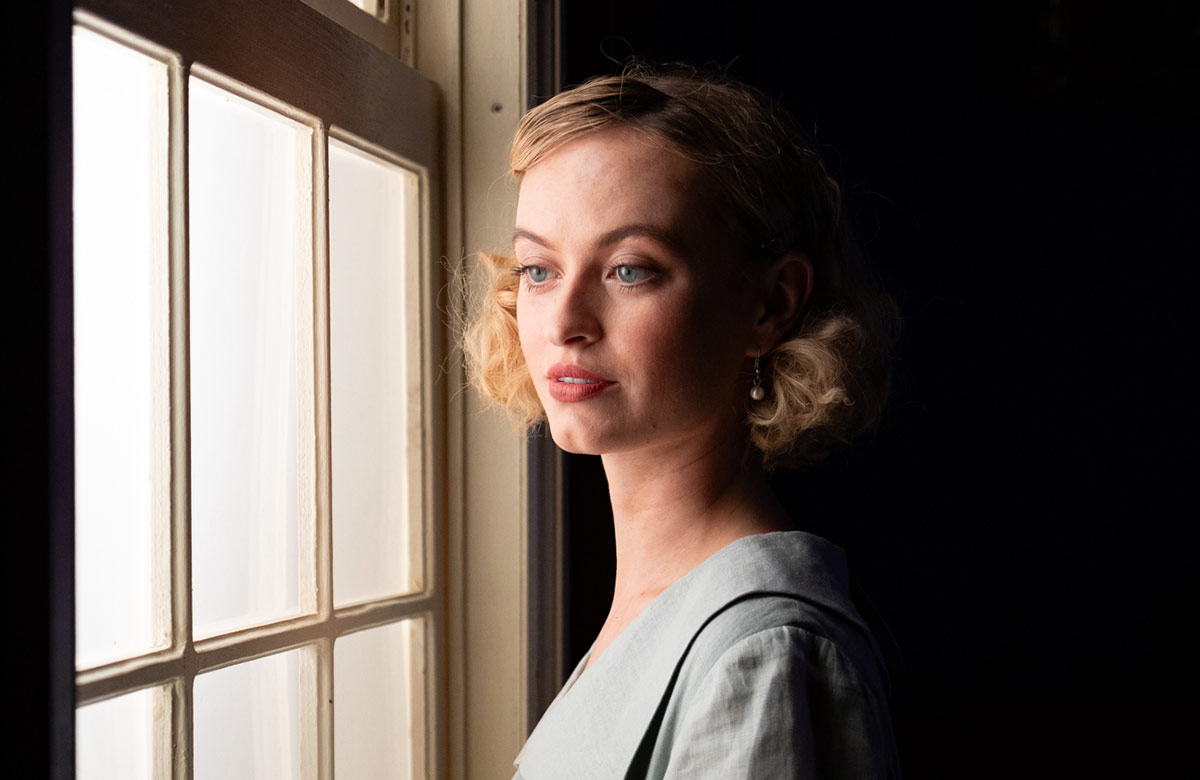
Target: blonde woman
[684, 301]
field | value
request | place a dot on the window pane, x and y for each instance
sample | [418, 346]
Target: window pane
[379, 679]
[373, 7]
[121, 435]
[251, 333]
[375, 341]
[116, 738]
[247, 720]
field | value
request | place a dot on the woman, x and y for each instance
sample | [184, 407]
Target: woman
[685, 302]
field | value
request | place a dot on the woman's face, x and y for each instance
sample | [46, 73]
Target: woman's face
[634, 310]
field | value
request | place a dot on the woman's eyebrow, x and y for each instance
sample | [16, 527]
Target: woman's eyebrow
[667, 238]
[637, 230]
[529, 235]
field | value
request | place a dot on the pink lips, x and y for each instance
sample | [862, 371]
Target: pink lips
[572, 383]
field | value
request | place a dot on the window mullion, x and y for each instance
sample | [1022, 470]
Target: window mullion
[177, 762]
[181, 516]
[319, 705]
[320, 336]
[324, 436]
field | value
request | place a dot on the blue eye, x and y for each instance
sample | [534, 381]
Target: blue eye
[628, 274]
[536, 274]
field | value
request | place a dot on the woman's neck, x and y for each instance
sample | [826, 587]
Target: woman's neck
[675, 507]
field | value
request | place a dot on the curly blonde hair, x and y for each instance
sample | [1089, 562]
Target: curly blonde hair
[828, 380]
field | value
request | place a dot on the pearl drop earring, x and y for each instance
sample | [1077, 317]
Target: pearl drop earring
[756, 390]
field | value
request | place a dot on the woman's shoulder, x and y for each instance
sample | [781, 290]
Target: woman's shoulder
[780, 580]
[773, 687]
[779, 700]
[768, 632]
[795, 636]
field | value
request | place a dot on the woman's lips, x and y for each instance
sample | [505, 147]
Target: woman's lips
[572, 383]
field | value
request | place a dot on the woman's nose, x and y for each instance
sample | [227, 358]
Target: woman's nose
[576, 314]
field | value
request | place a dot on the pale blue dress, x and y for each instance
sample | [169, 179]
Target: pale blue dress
[754, 665]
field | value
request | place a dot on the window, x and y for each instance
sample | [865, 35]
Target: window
[257, 580]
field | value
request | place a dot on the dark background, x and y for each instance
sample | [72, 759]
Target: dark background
[37, 516]
[1025, 177]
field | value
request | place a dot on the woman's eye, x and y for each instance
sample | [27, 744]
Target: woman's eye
[628, 274]
[536, 274]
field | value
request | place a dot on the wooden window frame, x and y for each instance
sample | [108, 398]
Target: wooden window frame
[282, 36]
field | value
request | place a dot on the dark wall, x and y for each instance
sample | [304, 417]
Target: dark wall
[1025, 175]
[38, 653]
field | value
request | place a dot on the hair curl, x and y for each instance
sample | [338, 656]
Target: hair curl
[828, 380]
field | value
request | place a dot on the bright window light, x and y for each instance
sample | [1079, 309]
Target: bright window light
[116, 737]
[378, 688]
[247, 720]
[121, 372]
[376, 8]
[251, 247]
[375, 384]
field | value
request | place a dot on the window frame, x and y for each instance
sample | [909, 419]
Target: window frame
[274, 30]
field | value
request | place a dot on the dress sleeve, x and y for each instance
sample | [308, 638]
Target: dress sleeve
[780, 703]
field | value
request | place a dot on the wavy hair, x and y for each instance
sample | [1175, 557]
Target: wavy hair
[828, 380]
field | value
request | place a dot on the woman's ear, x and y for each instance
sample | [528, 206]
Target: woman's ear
[786, 285]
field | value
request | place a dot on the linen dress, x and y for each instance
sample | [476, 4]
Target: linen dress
[755, 664]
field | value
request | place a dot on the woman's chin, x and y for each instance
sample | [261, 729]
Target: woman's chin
[574, 445]
[570, 439]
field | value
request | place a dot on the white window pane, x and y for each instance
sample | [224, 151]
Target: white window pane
[251, 334]
[374, 360]
[121, 426]
[376, 8]
[379, 683]
[247, 720]
[117, 737]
